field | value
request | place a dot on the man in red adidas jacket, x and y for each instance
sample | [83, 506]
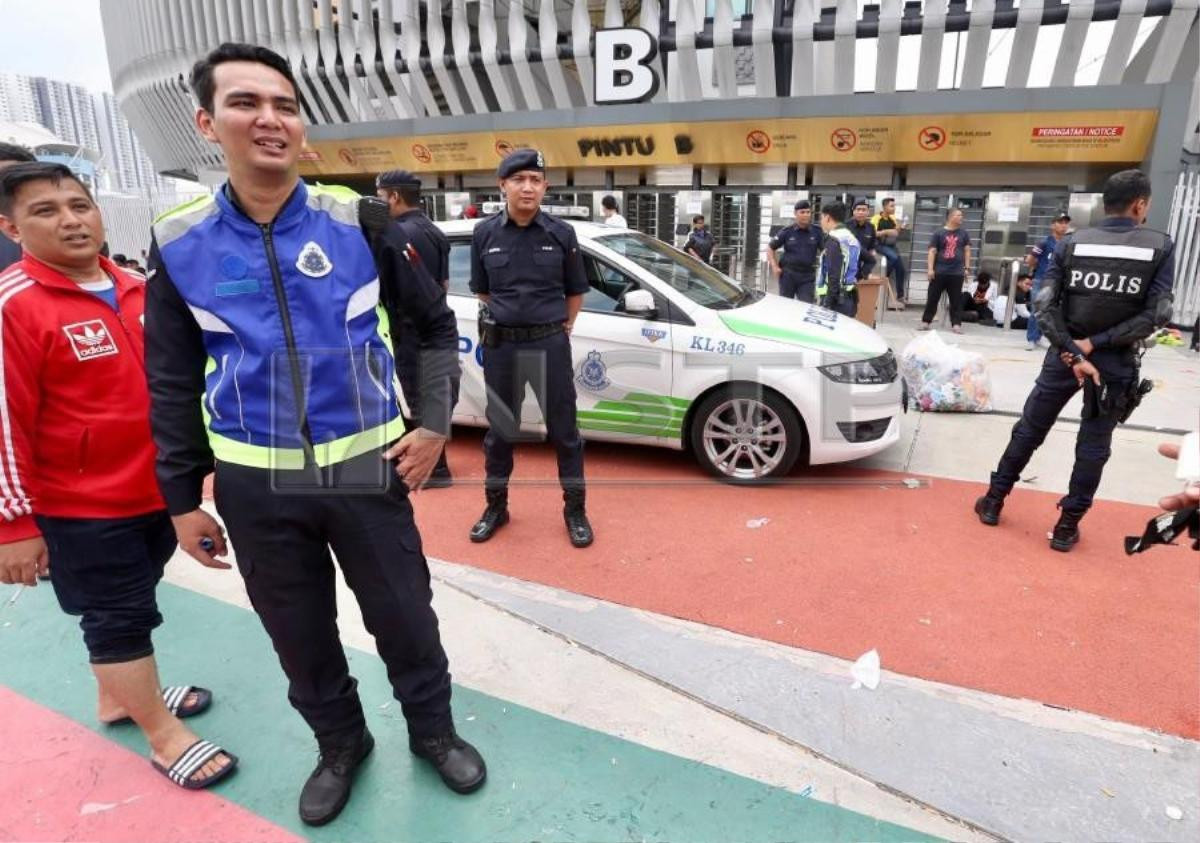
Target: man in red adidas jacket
[77, 485]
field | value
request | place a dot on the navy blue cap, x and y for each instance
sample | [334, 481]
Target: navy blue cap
[862, 202]
[521, 159]
[803, 205]
[397, 178]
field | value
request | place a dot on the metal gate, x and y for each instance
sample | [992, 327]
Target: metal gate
[1184, 228]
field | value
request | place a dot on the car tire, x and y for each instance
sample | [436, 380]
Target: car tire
[764, 447]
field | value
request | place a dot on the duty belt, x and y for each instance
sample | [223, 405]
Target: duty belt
[528, 333]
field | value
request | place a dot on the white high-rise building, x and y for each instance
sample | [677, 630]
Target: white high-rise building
[127, 165]
[92, 121]
[17, 101]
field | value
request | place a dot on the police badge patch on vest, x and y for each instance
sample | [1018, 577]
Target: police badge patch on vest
[313, 262]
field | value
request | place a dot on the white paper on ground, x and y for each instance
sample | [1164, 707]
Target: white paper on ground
[866, 670]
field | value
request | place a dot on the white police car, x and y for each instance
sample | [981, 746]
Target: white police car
[670, 352]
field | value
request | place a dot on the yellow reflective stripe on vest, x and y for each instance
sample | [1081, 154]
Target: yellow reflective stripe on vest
[327, 453]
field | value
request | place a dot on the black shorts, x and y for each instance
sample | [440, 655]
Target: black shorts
[106, 570]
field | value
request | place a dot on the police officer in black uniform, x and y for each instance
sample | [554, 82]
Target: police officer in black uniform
[864, 232]
[402, 191]
[700, 242]
[527, 270]
[1106, 289]
[801, 244]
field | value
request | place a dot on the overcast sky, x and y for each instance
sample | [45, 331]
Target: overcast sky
[58, 39]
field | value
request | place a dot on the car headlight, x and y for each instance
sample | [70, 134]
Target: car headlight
[881, 369]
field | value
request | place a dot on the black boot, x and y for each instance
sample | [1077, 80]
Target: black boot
[328, 788]
[1066, 531]
[458, 763]
[988, 508]
[493, 518]
[578, 528]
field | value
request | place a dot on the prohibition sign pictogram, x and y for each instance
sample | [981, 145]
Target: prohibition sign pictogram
[758, 141]
[503, 148]
[931, 138]
[422, 153]
[843, 140]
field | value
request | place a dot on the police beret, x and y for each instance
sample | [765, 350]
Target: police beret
[397, 178]
[803, 205]
[521, 159]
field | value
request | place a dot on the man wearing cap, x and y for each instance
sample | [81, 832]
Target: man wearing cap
[801, 244]
[864, 232]
[402, 191]
[1039, 261]
[527, 270]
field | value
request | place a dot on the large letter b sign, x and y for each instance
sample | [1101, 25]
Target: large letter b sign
[623, 66]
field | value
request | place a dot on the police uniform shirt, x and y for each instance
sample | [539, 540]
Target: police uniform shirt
[801, 248]
[864, 234]
[528, 271]
[430, 242]
[701, 242]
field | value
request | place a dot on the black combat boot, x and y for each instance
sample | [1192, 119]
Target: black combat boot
[458, 763]
[493, 518]
[328, 788]
[578, 528]
[988, 508]
[1066, 531]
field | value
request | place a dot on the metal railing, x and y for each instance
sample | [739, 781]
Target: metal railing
[1184, 229]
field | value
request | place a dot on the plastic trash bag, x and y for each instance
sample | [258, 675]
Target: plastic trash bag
[943, 378]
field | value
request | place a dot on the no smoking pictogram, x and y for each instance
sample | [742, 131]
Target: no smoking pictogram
[843, 140]
[503, 148]
[422, 153]
[758, 142]
[931, 138]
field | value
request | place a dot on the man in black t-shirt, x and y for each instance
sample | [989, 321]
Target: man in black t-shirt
[700, 243]
[949, 258]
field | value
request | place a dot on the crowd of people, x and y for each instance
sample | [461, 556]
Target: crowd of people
[121, 391]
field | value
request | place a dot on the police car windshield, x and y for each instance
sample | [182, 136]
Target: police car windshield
[694, 279]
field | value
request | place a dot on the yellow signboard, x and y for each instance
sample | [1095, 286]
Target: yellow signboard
[993, 138]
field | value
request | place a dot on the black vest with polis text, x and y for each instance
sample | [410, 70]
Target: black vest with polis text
[1106, 276]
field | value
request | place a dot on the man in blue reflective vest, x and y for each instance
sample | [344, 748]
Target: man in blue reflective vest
[270, 365]
[836, 288]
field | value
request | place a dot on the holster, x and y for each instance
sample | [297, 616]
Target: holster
[489, 336]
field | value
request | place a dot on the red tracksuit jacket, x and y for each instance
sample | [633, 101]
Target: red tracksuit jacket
[74, 406]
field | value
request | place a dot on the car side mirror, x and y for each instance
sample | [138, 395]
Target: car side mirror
[639, 303]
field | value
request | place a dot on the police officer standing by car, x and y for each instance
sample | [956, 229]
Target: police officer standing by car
[1107, 288]
[801, 244]
[402, 191]
[836, 287]
[527, 270]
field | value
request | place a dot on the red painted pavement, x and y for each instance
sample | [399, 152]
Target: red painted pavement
[843, 568]
[63, 782]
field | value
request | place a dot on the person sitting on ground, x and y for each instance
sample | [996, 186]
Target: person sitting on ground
[979, 298]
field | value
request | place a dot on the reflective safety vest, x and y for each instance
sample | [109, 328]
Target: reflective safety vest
[851, 250]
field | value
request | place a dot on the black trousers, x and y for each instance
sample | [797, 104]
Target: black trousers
[283, 525]
[545, 365]
[798, 285]
[951, 285]
[1055, 386]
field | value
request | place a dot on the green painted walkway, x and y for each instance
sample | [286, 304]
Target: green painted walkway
[549, 780]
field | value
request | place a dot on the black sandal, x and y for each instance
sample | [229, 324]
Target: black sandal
[175, 696]
[194, 758]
